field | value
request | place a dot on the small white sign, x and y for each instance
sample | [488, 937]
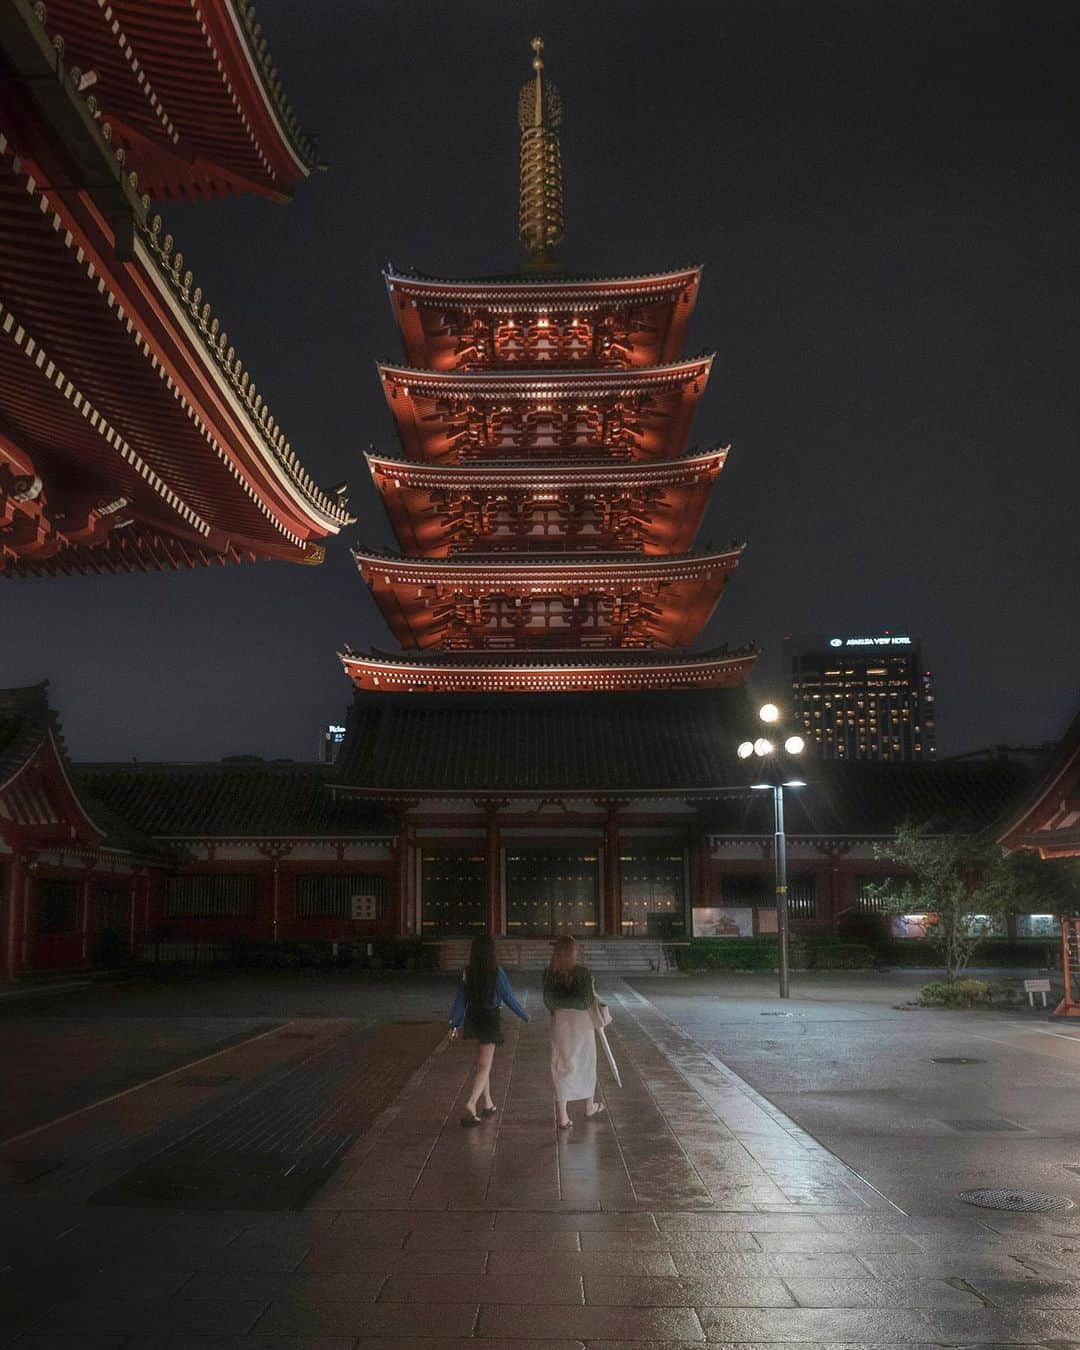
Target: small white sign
[1033, 987]
[364, 907]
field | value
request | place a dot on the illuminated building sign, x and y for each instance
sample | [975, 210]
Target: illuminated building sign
[887, 640]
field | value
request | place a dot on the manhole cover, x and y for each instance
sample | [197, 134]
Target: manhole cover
[955, 1059]
[1029, 1202]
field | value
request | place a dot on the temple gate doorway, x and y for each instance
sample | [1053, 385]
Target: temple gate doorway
[552, 891]
[453, 891]
[653, 884]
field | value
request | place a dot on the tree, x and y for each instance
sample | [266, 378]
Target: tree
[956, 879]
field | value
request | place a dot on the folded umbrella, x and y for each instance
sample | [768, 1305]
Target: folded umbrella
[610, 1057]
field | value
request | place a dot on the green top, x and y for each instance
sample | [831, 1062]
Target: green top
[579, 994]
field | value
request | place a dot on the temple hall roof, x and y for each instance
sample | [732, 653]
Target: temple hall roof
[577, 744]
[645, 745]
[126, 405]
[38, 789]
[1048, 820]
[190, 91]
[230, 800]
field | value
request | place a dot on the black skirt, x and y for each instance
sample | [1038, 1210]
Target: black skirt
[483, 1025]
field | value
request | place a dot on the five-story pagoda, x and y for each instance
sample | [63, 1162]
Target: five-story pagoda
[545, 504]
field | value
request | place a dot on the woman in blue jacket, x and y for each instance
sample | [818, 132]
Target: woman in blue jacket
[483, 989]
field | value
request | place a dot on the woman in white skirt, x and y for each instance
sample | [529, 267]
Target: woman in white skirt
[568, 996]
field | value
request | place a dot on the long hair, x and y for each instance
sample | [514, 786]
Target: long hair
[563, 961]
[481, 972]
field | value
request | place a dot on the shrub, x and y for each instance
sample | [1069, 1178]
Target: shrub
[954, 993]
[827, 954]
[722, 953]
[762, 953]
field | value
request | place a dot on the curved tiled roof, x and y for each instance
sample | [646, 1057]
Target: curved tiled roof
[552, 382]
[572, 563]
[645, 744]
[590, 469]
[25, 721]
[230, 800]
[574, 743]
[577, 656]
[658, 282]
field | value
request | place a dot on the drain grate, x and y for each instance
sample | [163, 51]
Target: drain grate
[955, 1059]
[297, 1036]
[206, 1079]
[1027, 1202]
[981, 1126]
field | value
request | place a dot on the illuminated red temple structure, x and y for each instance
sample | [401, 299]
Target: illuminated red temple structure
[132, 438]
[1047, 824]
[545, 500]
[549, 750]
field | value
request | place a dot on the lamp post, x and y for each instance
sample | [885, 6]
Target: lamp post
[773, 778]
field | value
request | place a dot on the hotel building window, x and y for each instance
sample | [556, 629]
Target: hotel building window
[865, 698]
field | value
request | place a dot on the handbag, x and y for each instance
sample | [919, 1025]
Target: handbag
[599, 1014]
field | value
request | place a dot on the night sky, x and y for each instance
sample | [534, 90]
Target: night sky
[885, 198]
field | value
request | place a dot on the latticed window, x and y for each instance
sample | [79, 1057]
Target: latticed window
[330, 896]
[225, 896]
[747, 888]
[802, 895]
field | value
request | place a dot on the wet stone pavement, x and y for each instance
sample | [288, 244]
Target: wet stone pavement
[693, 1211]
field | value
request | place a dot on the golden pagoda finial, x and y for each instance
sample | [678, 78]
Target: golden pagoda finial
[541, 220]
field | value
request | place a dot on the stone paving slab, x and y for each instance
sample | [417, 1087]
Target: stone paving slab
[428, 1235]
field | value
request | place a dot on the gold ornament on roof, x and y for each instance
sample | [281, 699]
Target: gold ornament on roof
[541, 219]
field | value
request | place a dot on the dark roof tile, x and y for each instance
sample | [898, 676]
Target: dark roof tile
[229, 800]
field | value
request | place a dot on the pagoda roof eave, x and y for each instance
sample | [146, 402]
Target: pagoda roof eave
[550, 383]
[478, 566]
[551, 670]
[587, 470]
[533, 287]
[547, 658]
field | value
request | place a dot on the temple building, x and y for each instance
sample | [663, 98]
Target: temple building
[552, 747]
[132, 438]
[1047, 824]
[548, 594]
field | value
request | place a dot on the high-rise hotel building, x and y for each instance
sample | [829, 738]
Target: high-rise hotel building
[865, 697]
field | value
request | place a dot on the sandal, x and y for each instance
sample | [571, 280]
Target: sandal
[600, 1109]
[470, 1121]
[488, 1111]
[568, 1126]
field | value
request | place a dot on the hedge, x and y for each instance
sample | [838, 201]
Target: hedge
[916, 952]
[761, 953]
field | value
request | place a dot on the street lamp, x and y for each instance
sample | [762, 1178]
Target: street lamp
[775, 778]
